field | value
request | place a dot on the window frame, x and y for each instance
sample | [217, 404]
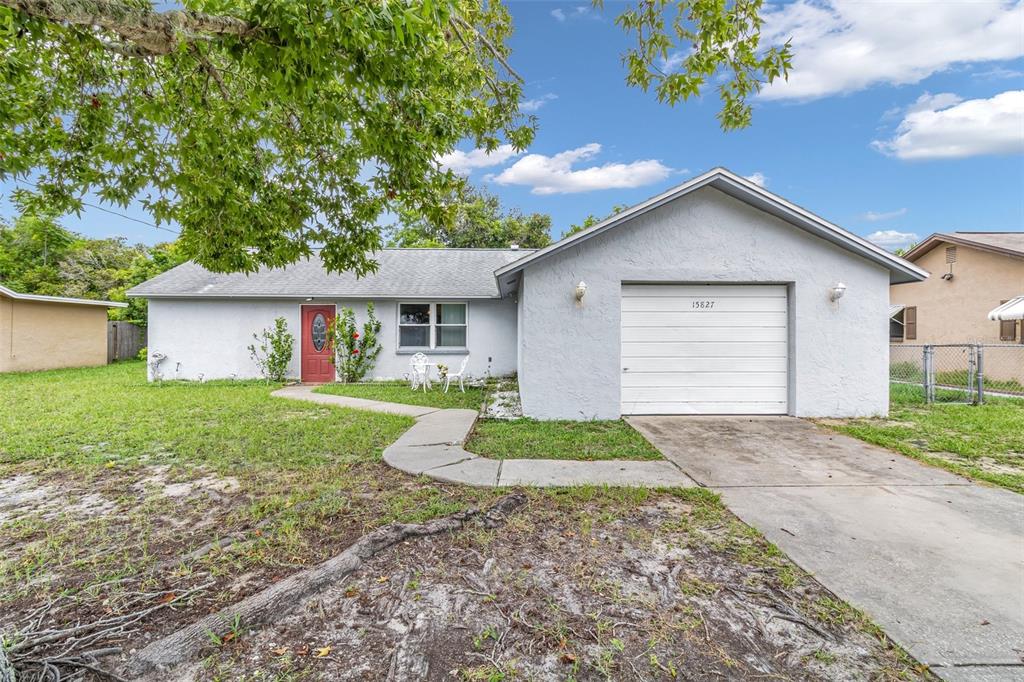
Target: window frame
[432, 326]
[901, 314]
[1008, 329]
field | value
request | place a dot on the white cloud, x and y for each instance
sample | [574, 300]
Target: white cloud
[463, 162]
[577, 12]
[998, 73]
[878, 216]
[892, 239]
[967, 128]
[758, 178]
[842, 46]
[555, 174]
[930, 102]
[532, 105]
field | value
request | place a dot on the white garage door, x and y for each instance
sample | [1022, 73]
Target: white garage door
[704, 349]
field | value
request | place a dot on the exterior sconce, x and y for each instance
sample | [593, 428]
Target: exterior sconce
[836, 292]
[581, 290]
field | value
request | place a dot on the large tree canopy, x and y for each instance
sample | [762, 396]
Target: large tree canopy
[479, 222]
[265, 128]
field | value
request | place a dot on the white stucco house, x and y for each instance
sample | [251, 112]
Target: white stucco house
[715, 297]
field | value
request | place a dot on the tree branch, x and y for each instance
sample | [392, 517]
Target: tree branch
[154, 33]
[486, 43]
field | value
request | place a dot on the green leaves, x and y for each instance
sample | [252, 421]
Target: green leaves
[683, 45]
[264, 128]
[478, 221]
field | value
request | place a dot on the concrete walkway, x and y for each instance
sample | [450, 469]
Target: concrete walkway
[935, 560]
[433, 447]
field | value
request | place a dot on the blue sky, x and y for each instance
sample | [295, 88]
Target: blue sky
[900, 117]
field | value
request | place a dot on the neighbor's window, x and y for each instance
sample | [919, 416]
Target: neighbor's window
[1008, 329]
[896, 327]
[431, 325]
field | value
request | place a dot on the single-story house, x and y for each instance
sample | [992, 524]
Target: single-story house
[48, 332]
[715, 297]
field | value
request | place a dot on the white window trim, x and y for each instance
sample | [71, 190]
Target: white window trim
[432, 325]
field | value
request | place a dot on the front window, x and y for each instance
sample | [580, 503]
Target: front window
[432, 325]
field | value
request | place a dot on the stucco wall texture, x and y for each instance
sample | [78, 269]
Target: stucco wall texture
[208, 339]
[569, 352]
[35, 335]
[956, 311]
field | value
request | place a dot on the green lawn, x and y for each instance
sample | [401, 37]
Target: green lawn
[528, 438]
[311, 475]
[984, 442]
[399, 392]
[111, 416]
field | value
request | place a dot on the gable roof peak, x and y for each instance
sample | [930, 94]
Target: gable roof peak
[744, 190]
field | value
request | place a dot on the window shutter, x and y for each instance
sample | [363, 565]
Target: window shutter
[1007, 329]
[910, 323]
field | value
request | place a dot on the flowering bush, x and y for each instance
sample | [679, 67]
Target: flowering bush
[355, 352]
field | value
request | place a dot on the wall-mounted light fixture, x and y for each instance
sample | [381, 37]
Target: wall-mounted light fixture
[581, 290]
[836, 292]
[309, 298]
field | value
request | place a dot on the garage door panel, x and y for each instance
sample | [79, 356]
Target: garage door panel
[705, 364]
[633, 379]
[693, 349]
[705, 304]
[672, 290]
[658, 318]
[701, 334]
[704, 349]
[704, 408]
[704, 394]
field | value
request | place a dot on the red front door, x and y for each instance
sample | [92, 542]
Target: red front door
[317, 367]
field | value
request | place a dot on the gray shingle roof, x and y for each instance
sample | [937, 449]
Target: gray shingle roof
[402, 273]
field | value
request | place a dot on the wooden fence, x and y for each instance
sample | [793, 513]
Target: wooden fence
[124, 340]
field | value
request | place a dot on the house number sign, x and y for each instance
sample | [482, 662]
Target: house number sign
[703, 305]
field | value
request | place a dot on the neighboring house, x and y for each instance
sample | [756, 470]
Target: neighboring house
[971, 274]
[716, 296]
[47, 332]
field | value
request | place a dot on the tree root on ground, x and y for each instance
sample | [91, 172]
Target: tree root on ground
[36, 652]
[183, 645]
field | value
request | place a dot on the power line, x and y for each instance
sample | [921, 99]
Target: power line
[128, 217]
[111, 212]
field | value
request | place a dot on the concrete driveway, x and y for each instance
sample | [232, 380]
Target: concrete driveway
[935, 560]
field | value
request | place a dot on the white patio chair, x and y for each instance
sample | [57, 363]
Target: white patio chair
[460, 375]
[419, 372]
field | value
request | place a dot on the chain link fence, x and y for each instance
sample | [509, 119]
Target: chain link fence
[959, 373]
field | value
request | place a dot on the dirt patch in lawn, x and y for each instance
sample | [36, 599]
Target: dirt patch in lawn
[24, 495]
[669, 590]
[582, 584]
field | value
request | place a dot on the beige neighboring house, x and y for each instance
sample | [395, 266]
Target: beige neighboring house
[971, 273]
[47, 332]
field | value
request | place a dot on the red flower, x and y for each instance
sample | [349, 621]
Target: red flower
[355, 351]
[355, 335]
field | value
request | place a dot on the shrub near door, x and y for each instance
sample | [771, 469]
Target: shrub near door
[355, 351]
